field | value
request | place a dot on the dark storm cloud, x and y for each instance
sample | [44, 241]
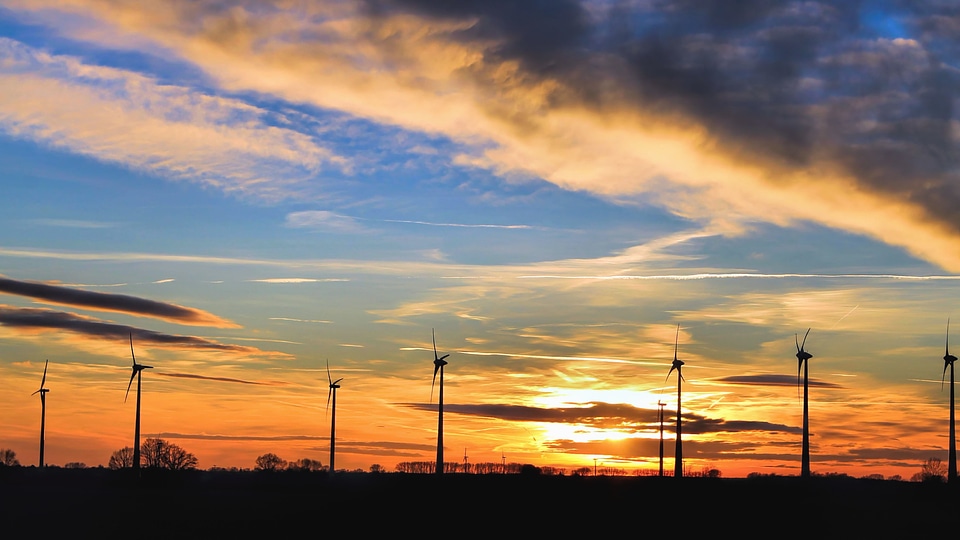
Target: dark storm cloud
[111, 302]
[539, 33]
[867, 89]
[773, 380]
[46, 319]
[608, 416]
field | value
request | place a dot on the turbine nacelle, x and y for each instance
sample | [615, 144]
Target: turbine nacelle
[438, 363]
[137, 368]
[333, 384]
[802, 355]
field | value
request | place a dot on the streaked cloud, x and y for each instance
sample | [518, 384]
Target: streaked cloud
[297, 280]
[124, 117]
[325, 220]
[74, 223]
[636, 114]
[299, 320]
[33, 320]
[220, 379]
[119, 303]
[774, 380]
[606, 416]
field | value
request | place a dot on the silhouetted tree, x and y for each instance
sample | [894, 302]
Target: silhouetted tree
[305, 464]
[75, 465]
[583, 471]
[270, 462]
[377, 468]
[160, 454]
[8, 458]
[932, 470]
[121, 459]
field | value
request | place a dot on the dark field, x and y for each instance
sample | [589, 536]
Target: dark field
[108, 504]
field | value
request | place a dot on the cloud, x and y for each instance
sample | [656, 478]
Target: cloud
[325, 220]
[220, 379]
[74, 223]
[118, 303]
[773, 380]
[616, 416]
[296, 280]
[32, 319]
[299, 320]
[123, 117]
[777, 112]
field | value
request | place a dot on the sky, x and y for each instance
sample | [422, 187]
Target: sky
[568, 193]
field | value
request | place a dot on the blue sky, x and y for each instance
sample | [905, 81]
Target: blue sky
[553, 189]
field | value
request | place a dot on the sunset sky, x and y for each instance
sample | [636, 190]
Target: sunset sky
[254, 188]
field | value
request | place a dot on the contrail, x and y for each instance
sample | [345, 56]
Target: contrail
[845, 316]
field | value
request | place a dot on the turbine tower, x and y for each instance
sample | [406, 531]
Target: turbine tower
[677, 364]
[438, 363]
[803, 358]
[334, 384]
[661, 404]
[43, 407]
[948, 360]
[137, 369]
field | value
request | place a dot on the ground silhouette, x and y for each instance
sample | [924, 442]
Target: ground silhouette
[164, 504]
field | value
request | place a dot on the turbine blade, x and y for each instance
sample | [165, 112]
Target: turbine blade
[676, 344]
[338, 381]
[133, 356]
[329, 380]
[329, 393]
[44, 379]
[796, 339]
[129, 384]
[436, 368]
[434, 331]
[945, 364]
[669, 373]
[947, 350]
[804, 342]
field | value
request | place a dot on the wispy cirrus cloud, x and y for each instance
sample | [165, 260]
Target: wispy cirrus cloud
[297, 280]
[118, 303]
[74, 223]
[127, 118]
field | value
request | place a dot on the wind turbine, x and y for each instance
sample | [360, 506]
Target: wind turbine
[677, 364]
[948, 360]
[43, 407]
[334, 384]
[137, 369]
[803, 358]
[661, 404]
[438, 363]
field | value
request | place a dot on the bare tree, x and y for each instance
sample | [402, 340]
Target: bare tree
[270, 462]
[8, 458]
[305, 464]
[377, 468]
[932, 470]
[121, 459]
[160, 454]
